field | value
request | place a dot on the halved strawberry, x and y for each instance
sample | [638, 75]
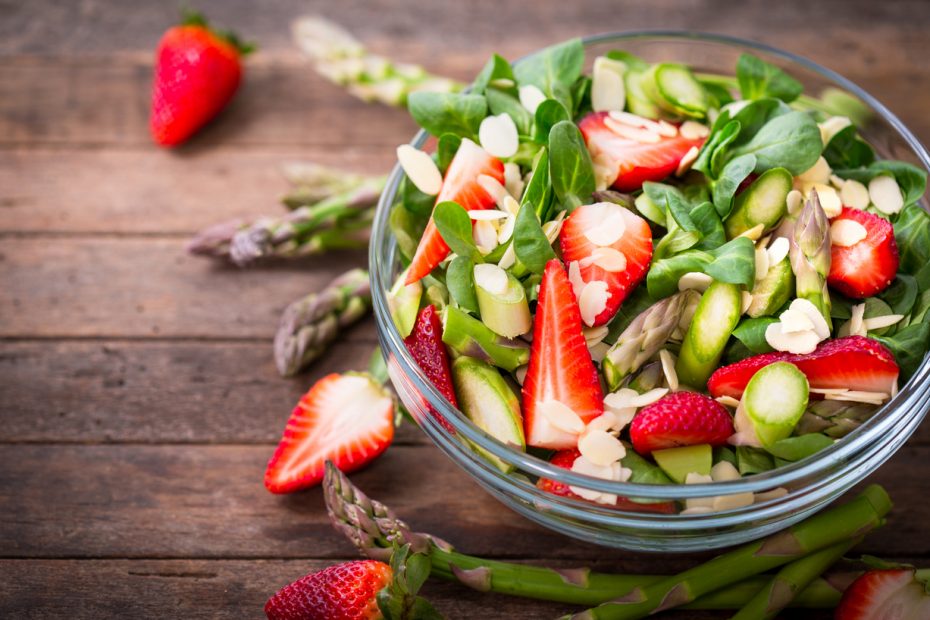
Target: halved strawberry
[885, 594]
[426, 346]
[868, 267]
[620, 230]
[347, 419]
[459, 185]
[565, 459]
[343, 591]
[680, 419]
[634, 161]
[560, 367]
[854, 363]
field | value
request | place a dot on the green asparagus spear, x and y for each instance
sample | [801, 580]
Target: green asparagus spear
[312, 182]
[810, 255]
[834, 418]
[714, 321]
[467, 335]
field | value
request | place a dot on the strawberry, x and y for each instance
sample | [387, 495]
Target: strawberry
[197, 72]
[868, 267]
[680, 419]
[560, 367]
[565, 459]
[348, 419]
[459, 185]
[634, 161]
[342, 592]
[854, 363]
[426, 346]
[634, 243]
[885, 594]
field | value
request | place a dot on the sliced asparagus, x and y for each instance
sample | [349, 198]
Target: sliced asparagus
[763, 202]
[404, 302]
[467, 335]
[714, 320]
[674, 88]
[810, 255]
[834, 418]
[502, 301]
[773, 402]
[773, 291]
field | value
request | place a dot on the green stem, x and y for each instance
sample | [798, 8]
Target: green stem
[467, 335]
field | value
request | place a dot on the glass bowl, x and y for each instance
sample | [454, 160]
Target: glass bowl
[808, 485]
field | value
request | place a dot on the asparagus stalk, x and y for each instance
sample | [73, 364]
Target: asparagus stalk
[311, 323]
[467, 335]
[341, 58]
[314, 182]
[834, 418]
[810, 255]
[374, 528]
[828, 528]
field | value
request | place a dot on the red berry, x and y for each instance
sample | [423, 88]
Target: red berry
[426, 346]
[342, 592]
[883, 595]
[680, 419]
[868, 267]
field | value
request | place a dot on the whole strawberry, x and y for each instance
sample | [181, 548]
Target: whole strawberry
[197, 72]
[342, 592]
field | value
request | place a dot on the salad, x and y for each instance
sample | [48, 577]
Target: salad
[655, 275]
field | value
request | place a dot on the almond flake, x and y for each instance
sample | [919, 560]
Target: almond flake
[667, 130]
[762, 263]
[506, 229]
[724, 471]
[793, 321]
[561, 416]
[856, 396]
[854, 194]
[531, 97]
[510, 205]
[610, 227]
[800, 343]
[685, 164]
[509, 259]
[885, 194]
[733, 501]
[593, 300]
[621, 399]
[643, 136]
[820, 324]
[493, 187]
[513, 180]
[600, 447]
[847, 233]
[691, 130]
[754, 233]
[778, 251]
[838, 183]
[696, 478]
[608, 91]
[491, 278]
[520, 373]
[647, 398]
[485, 235]
[593, 335]
[552, 228]
[727, 401]
[498, 135]
[598, 351]
[694, 280]
[747, 301]
[856, 323]
[794, 200]
[608, 259]
[765, 496]
[668, 369]
[603, 422]
[420, 169]
[696, 510]
[831, 127]
[488, 215]
[818, 173]
[502, 83]
[574, 277]
[878, 322]
[829, 199]
[829, 390]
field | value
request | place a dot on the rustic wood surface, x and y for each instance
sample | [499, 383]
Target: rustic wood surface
[138, 399]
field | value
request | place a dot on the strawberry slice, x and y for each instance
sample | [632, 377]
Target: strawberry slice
[343, 591]
[680, 419]
[459, 185]
[634, 161]
[565, 459]
[885, 594]
[560, 367]
[868, 267]
[347, 419]
[426, 346]
[610, 244]
[853, 363]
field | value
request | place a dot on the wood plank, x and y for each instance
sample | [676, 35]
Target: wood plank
[149, 287]
[175, 502]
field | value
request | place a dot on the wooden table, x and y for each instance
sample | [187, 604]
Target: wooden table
[138, 400]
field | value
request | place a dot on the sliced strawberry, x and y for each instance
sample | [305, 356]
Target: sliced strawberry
[634, 243]
[565, 459]
[634, 161]
[680, 419]
[347, 419]
[853, 363]
[426, 346]
[345, 591]
[560, 367]
[868, 267]
[883, 595]
[459, 185]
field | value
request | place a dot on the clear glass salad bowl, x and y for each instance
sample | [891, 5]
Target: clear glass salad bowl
[803, 488]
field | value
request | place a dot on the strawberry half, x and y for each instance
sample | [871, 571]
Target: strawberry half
[347, 419]
[426, 346]
[345, 591]
[885, 594]
[610, 244]
[459, 185]
[680, 419]
[560, 367]
[197, 72]
[635, 162]
[854, 363]
[868, 267]
[565, 459]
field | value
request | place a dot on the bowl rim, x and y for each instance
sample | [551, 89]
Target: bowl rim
[877, 426]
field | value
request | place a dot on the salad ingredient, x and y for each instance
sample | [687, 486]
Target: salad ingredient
[885, 194]
[867, 266]
[309, 325]
[346, 590]
[426, 348]
[571, 170]
[716, 317]
[763, 202]
[501, 301]
[197, 72]
[811, 255]
[608, 91]
[466, 335]
[489, 402]
[850, 363]
[420, 169]
[461, 186]
[347, 419]
[680, 419]
[560, 367]
[634, 155]
[887, 593]
[674, 88]
[608, 244]
[498, 135]
[404, 302]
[773, 291]
[799, 329]
[758, 79]
[774, 401]
[678, 463]
[833, 418]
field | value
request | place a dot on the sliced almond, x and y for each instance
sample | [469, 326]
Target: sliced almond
[593, 300]
[692, 130]
[510, 205]
[765, 496]
[502, 83]
[598, 351]
[552, 228]
[696, 478]
[733, 501]
[697, 510]
[762, 263]
[793, 321]
[694, 280]
[668, 369]
[667, 130]
[611, 224]
[484, 233]
[854, 194]
[491, 278]
[829, 198]
[509, 259]
[754, 233]
[794, 201]
[878, 322]
[621, 399]
[747, 302]
[531, 97]
[603, 422]
[724, 471]
[607, 259]
[800, 343]
[420, 169]
[561, 416]
[727, 401]
[859, 396]
[847, 233]
[685, 164]
[838, 183]
[647, 398]
[498, 135]
[856, 323]
[637, 134]
[829, 390]
[778, 251]
[886, 195]
[832, 126]
[600, 447]
[487, 215]
[505, 231]
[607, 88]
[520, 373]
[513, 180]
[593, 335]
[820, 324]
[818, 173]
[493, 187]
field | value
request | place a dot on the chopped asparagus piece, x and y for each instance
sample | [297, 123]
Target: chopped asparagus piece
[404, 302]
[502, 301]
[714, 320]
[467, 335]
[774, 401]
[773, 291]
[764, 202]
[679, 462]
[675, 89]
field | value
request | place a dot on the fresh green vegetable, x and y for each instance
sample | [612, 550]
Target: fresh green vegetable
[753, 460]
[751, 332]
[441, 113]
[810, 255]
[456, 229]
[505, 312]
[733, 174]
[570, 167]
[530, 244]
[773, 291]
[404, 302]
[460, 281]
[763, 202]
[800, 447]
[679, 462]
[674, 89]
[717, 314]
[774, 401]
[466, 335]
[847, 150]
[759, 79]
[734, 262]
[790, 141]
[554, 69]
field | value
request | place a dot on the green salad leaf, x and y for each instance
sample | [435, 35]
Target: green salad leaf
[753, 460]
[800, 447]
[552, 69]
[912, 232]
[909, 346]
[847, 150]
[751, 332]
[733, 262]
[456, 229]
[790, 141]
[495, 70]
[758, 79]
[529, 242]
[570, 167]
[733, 174]
[457, 113]
[446, 148]
[538, 191]
[501, 102]
[547, 115]
[460, 281]
[911, 179]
